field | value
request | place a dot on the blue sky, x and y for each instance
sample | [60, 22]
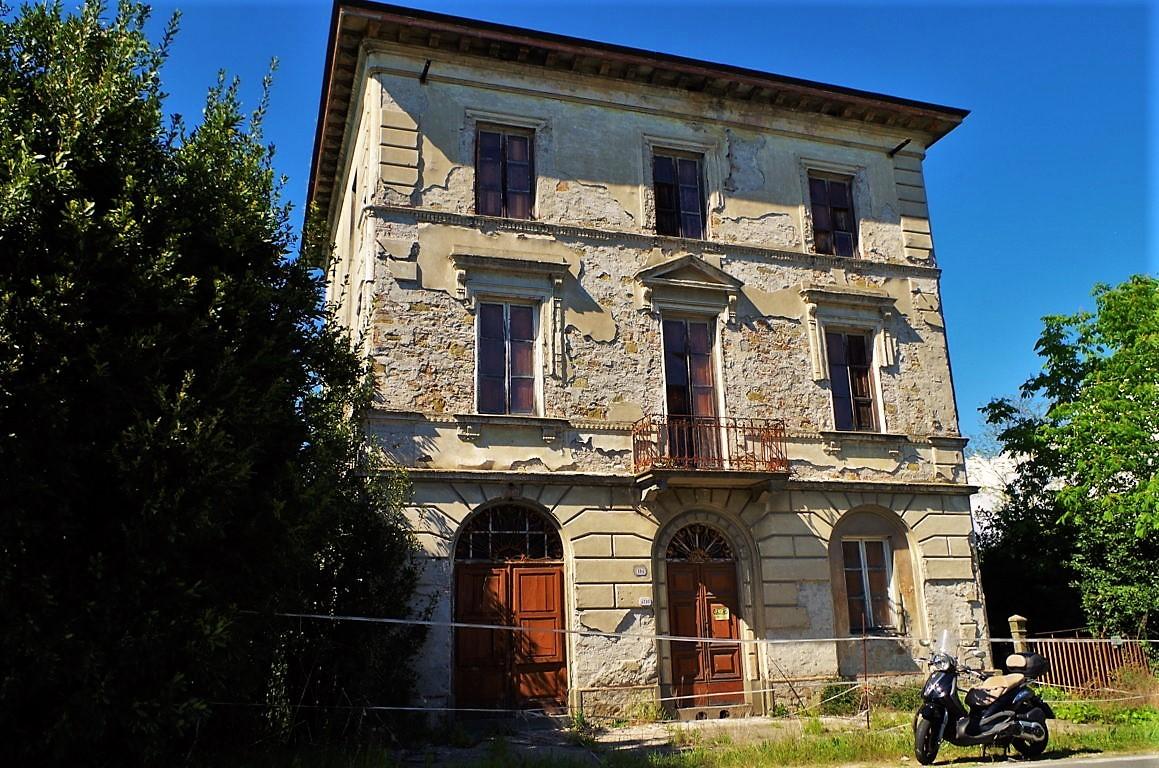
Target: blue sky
[1043, 191]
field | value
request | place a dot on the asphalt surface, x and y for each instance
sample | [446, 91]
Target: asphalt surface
[1127, 761]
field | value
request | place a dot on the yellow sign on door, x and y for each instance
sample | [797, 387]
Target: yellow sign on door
[720, 613]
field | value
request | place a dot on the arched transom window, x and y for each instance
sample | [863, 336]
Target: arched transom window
[509, 532]
[699, 544]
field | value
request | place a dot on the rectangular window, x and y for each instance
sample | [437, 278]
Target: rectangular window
[504, 172]
[679, 195]
[849, 377]
[867, 576]
[692, 435]
[834, 223]
[506, 358]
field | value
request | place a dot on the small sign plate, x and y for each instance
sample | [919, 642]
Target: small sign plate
[641, 570]
[645, 602]
[720, 613]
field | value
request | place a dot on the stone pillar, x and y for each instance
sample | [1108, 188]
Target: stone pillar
[1018, 632]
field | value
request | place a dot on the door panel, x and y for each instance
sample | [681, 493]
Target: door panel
[497, 668]
[702, 600]
[480, 666]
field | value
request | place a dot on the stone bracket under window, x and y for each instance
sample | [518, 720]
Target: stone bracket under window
[833, 442]
[689, 283]
[502, 277]
[848, 307]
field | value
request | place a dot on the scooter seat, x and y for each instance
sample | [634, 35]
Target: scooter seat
[992, 687]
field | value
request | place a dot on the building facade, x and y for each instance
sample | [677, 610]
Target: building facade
[661, 345]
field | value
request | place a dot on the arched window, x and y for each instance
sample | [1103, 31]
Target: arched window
[872, 577]
[699, 544]
[509, 532]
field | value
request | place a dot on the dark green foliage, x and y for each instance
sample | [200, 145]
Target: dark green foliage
[179, 440]
[841, 699]
[1084, 513]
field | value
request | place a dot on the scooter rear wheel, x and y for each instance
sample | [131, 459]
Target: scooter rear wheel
[1033, 749]
[927, 739]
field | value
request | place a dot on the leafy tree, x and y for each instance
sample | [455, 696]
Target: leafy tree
[179, 439]
[1089, 491]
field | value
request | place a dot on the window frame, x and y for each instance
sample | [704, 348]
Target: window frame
[872, 384]
[504, 132]
[677, 155]
[890, 596]
[854, 231]
[507, 302]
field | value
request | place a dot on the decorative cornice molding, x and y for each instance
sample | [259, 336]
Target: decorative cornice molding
[649, 241]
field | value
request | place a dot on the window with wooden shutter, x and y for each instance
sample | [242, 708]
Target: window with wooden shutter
[679, 193]
[505, 368]
[834, 222]
[504, 172]
[867, 584]
[850, 360]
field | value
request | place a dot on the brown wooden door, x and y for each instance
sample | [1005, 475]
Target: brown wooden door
[702, 602]
[498, 668]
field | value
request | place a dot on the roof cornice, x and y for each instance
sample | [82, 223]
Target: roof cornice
[354, 22]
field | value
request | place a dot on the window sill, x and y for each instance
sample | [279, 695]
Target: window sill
[856, 436]
[511, 420]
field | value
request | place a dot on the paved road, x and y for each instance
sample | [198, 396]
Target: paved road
[1129, 761]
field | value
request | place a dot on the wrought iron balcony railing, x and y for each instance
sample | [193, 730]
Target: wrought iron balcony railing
[712, 442]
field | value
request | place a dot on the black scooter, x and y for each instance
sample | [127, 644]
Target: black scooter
[1003, 709]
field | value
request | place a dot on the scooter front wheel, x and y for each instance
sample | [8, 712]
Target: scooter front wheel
[927, 739]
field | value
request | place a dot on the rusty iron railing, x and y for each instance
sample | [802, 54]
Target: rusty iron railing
[1089, 664]
[712, 442]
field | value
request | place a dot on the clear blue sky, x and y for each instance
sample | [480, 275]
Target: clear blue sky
[1042, 192]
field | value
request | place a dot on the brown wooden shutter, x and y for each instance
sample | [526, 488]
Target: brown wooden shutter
[667, 206]
[522, 372]
[492, 359]
[489, 174]
[839, 381]
[518, 184]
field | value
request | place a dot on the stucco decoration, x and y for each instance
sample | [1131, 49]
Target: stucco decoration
[690, 284]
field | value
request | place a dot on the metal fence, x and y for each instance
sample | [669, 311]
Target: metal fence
[1090, 663]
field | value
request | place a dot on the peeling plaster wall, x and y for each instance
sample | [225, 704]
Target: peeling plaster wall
[417, 261]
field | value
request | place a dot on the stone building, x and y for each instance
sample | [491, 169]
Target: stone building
[661, 344]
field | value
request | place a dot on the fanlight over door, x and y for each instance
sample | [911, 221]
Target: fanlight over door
[702, 603]
[509, 571]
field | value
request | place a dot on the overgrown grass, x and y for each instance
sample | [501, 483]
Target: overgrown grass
[884, 747]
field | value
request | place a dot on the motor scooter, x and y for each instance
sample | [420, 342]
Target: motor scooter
[1003, 709]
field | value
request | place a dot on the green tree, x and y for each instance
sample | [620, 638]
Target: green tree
[179, 423]
[1090, 483]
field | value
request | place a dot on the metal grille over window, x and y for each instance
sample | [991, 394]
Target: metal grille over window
[509, 532]
[699, 544]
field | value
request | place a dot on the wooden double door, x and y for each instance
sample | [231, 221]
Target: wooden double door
[497, 668]
[702, 603]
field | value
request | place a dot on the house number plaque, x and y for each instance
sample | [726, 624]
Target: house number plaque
[720, 613]
[641, 570]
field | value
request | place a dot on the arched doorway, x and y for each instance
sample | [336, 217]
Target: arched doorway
[509, 571]
[703, 602]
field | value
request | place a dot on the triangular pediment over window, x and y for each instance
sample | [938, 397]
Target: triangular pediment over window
[690, 270]
[689, 283]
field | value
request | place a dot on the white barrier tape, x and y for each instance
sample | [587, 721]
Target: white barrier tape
[593, 632]
[848, 686]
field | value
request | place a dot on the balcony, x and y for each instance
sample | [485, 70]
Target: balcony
[709, 451]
